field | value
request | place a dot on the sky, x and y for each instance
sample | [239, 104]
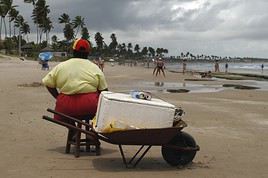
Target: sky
[236, 28]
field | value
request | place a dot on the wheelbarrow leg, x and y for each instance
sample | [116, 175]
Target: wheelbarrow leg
[87, 142]
[77, 140]
[69, 138]
[136, 154]
[147, 149]
[139, 159]
[123, 156]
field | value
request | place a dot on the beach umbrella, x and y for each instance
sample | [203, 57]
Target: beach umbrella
[45, 56]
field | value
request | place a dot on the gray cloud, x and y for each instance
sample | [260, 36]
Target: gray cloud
[220, 27]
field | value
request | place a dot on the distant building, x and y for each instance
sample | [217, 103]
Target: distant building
[26, 49]
[60, 54]
[55, 53]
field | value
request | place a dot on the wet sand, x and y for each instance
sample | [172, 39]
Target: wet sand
[229, 125]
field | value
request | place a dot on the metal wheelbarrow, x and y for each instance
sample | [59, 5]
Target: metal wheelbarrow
[177, 147]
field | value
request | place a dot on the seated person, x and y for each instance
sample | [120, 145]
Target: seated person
[76, 84]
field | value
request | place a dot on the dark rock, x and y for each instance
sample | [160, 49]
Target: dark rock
[178, 90]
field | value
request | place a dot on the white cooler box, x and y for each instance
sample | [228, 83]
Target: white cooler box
[137, 113]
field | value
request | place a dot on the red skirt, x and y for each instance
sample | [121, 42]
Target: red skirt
[81, 106]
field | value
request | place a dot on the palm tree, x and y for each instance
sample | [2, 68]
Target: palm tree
[64, 18]
[13, 13]
[77, 23]
[40, 16]
[99, 41]
[124, 48]
[23, 26]
[47, 26]
[152, 51]
[3, 12]
[8, 6]
[33, 2]
[187, 54]
[19, 20]
[144, 51]
[25, 29]
[129, 46]
[137, 49]
[85, 34]
[2, 9]
[68, 32]
[113, 44]
[129, 49]
[54, 39]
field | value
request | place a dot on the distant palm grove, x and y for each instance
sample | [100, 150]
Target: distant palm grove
[14, 31]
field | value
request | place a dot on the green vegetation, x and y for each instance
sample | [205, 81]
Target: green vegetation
[19, 30]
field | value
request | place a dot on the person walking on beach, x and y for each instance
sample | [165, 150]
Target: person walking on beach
[226, 68]
[76, 84]
[155, 63]
[262, 67]
[217, 67]
[101, 63]
[44, 64]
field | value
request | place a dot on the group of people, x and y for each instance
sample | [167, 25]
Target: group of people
[159, 67]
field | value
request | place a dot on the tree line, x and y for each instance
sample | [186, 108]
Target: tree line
[18, 27]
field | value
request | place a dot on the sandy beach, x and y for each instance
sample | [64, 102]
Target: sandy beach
[229, 125]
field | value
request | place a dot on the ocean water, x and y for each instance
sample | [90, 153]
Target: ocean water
[197, 87]
[239, 67]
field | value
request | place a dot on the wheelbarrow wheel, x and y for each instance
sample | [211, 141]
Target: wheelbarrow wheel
[176, 157]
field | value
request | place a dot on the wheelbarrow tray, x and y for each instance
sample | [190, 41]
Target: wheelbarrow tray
[152, 136]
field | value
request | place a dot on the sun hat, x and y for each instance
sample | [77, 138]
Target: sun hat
[81, 45]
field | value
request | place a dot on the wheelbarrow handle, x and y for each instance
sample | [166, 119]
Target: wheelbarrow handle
[92, 134]
[71, 118]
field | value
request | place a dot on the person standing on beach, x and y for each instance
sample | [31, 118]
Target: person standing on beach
[155, 63]
[76, 84]
[184, 66]
[101, 63]
[262, 67]
[226, 68]
[217, 67]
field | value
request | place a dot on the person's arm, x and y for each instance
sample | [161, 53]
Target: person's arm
[53, 91]
[106, 89]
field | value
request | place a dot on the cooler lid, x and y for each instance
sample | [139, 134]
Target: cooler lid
[122, 97]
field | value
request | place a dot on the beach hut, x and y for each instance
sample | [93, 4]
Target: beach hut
[26, 49]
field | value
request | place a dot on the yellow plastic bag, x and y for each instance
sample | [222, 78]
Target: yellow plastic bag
[94, 121]
[117, 126]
